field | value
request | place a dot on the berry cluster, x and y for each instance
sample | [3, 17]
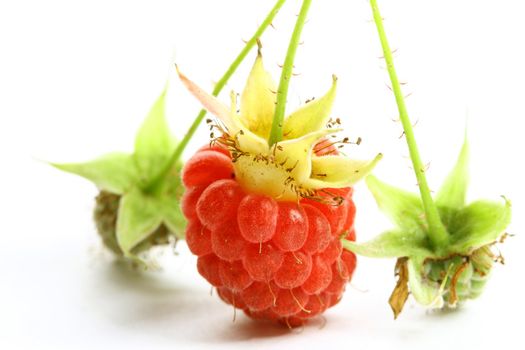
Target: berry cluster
[276, 260]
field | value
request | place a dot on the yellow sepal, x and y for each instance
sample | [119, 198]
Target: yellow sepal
[258, 100]
[339, 171]
[312, 116]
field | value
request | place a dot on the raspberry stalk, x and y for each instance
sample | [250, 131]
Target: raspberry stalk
[276, 133]
[436, 231]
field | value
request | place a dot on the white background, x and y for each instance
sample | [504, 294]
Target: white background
[78, 77]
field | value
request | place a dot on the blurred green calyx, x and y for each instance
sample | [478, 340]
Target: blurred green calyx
[130, 217]
[449, 274]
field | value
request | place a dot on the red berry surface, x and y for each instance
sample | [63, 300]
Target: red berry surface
[205, 167]
[292, 227]
[189, 201]
[218, 203]
[257, 218]
[198, 238]
[279, 261]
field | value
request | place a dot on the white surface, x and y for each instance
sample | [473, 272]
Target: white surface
[76, 79]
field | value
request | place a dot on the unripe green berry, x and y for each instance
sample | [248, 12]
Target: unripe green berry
[106, 215]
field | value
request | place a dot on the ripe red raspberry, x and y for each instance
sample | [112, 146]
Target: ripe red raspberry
[276, 260]
[267, 207]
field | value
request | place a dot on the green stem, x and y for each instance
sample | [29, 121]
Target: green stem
[276, 133]
[157, 180]
[436, 231]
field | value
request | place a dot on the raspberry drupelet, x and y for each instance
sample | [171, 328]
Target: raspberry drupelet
[266, 222]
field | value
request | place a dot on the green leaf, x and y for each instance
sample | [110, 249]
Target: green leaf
[478, 224]
[172, 213]
[311, 117]
[154, 143]
[113, 172]
[174, 219]
[453, 192]
[138, 217]
[392, 244]
[404, 208]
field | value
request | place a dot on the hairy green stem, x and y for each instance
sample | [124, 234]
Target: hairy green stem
[276, 133]
[157, 180]
[436, 231]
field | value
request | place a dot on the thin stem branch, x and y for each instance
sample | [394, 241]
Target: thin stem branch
[436, 231]
[218, 88]
[276, 133]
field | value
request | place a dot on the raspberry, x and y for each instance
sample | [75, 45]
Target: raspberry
[208, 267]
[292, 227]
[257, 218]
[227, 242]
[334, 204]
[231, 297]
[275, 260]
[292, 321]
[319, 278]
[262, 261]
[332, 251]
[189, 201]
[206, 167]
[333, 299]
[350, 217]
[233, 275]
[259, 296]
[290, 302]
[314, 307]
[350, 261]
[267, 314]
[295, 270]
[215, 148]
[218, 203]
[318, 231]
[351, 235]
[342, 271]
[278, 211]
[198, 238]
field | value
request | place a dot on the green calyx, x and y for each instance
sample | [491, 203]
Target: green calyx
[443, 245]
[129, 217]
[450, 274]
[289, 169]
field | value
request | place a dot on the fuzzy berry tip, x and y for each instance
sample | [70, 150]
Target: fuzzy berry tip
[138, 205]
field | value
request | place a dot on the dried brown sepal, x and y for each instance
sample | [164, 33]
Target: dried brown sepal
[399, 296]
[453, 299]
